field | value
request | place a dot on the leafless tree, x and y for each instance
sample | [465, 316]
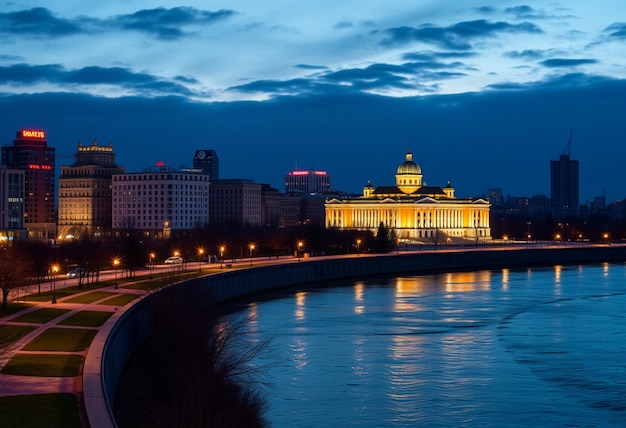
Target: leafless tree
[15, 270]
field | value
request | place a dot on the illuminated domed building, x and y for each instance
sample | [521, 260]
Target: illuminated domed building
[414, 210]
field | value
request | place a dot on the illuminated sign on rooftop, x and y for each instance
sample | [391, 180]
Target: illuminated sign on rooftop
[307, 172]
[31, 133]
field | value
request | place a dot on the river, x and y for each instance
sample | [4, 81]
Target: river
[541, 346]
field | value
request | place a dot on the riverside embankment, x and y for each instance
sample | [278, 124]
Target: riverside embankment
[110, 352]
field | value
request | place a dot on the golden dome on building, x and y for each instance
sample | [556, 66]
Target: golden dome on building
[409, 167]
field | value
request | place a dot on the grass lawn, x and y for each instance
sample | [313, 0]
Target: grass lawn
[41, 316]
[62, 339]
[87, 318]
[13, 333]
[12, 308]
[120, 300]
[44, 365]
[90, 297]
[42, 410]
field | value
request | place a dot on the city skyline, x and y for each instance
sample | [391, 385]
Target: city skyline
[484, 96]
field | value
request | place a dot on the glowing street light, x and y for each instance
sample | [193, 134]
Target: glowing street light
[116, 263]
[151, 265]
[252, 247]
[55, 271]
[222, 248]
[358, 247]
[300, 244]
[200, 253]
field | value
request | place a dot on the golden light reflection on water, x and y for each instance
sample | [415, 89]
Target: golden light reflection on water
[359, 288]
[505, 279]
[605, 269]
[300, 311]
[558, 270]
[464, 282]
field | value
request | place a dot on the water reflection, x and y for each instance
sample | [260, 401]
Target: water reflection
[460, 349]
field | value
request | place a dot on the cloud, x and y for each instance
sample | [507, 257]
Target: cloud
[123, 78]
[373, 78]
[166, 24]
[37, 22]
[310, 67]
[455, 37]
[559, 62]
[617, 30]
[162, 23]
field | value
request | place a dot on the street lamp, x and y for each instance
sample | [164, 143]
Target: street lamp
[358, 246]
[606, 238]
[251, 250]
[116, 263]
[557, 238]
[300, 244]
[151, 263]
[55, 271]
[200, 253]
[222, 248]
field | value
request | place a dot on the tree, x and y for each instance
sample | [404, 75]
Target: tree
[15, 270]
[385, 240]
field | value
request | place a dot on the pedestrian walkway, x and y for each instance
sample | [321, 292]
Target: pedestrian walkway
[16, 385]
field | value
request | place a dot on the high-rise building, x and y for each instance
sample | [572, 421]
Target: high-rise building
[307, 181]
[30, 152]
[208, 162]
[11, 204]
[564, 184]
[85, 196]
[236, 201]
[161, 201]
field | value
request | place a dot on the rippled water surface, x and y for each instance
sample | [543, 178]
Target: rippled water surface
[545, 347]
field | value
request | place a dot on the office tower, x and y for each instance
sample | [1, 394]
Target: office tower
[564, 184]
[85, 197]
[11, 204]
[236, 201]
[161, 201]
[307, 181]
[30, 152]
[208, 162]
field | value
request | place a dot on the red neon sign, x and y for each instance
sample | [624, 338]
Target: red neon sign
[31, 133]
[160, 164]
[35, 166]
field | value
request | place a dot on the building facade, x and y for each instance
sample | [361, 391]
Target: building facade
[85, 195]
[307, 181]
[160, 201]
[415, 211]
[564, 185]
[11, 204]
[207, 162]
[236, 201]
[30, 153]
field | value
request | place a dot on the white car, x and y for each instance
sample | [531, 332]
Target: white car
[173, 260]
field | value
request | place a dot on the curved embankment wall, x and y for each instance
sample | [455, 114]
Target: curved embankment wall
[108, 355]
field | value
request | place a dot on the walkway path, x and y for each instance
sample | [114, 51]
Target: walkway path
[18, 385]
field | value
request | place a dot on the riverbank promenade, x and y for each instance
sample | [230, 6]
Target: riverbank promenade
[55, 352]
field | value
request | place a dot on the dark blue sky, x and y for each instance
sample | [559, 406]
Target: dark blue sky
[484, 96]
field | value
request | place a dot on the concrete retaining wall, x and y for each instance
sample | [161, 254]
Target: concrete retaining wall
[132, 325]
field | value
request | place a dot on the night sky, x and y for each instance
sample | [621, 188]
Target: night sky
[483, 95]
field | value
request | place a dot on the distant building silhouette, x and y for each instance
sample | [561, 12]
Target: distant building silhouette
[85, 196]
[307, 181]
[208, 162]
[30, 153]
[564, 185]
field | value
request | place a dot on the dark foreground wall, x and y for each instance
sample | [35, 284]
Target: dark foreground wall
[110, 353]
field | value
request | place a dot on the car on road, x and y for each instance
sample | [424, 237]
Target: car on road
[173, 260]
[76, 272]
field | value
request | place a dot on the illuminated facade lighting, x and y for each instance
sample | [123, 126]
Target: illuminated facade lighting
[414, 210]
